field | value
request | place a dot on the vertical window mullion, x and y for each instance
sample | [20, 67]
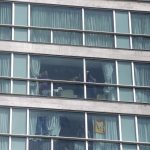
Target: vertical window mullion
[117, 80]
[52, 86]
[28, 22]
[83, 27]
[136, 129]
[28, 74]
[27, 130]
[130, 30]
[120, 130]
[52, 36]
[86, 130]
[12, 68]
[114, 23]
[52, 144]
[13, 19]
[84, 77]
[133, 82]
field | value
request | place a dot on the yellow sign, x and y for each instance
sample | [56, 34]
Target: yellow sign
[99, 126]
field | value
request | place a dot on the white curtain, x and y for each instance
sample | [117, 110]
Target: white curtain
[99, 40]
[72, 38]
[79, 146]
[3, 143]
[57, 17]
[98, 20]
[44, 123]
[144, 129]
[4, 86]
[40, 36]
[143, 95]
[5, 13]
[5, 65]
[109, 77]
[4, 120]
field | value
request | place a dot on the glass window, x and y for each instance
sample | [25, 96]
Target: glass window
[5, 33]
[128, 128]
[100, 71]
[19, 87]
[39, 144]
[141, 43]
[19, 121]
[71, 38]
[144, 129]
[20, 66]
[40, 88]
[125, 73]
[57, 17]
[40, 36]
[123, 42]
[21, 14]
[122, 22]
[99, 40]
[18, 144]
[126, 94]
[101, 92]
[129, 147]
[4, 143]
[4, 64]
[21, 34]
[52, 67]
[102, 126]
[144, 147]
[140, 23]
[5, 13]
[4, 120]
[142, 95]
[142, 74]
[4, 86]
[68, 90]
[99, 20]
[65, 124]
[103, 146]
[68, 145]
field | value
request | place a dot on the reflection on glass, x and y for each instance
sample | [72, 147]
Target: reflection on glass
[101, 92]
[4, 120]
[129, 147]
[142, 95]
[4, 143]
[128, 128]
[18, 144]
[66, 124]
[68, 145]
[103, 126]
[126, 94]
[5, 33]
[4, 86]
[100, 71]
[39, 144]
[21, 34]
[144, 147]
[57, 68]
[123, 42]
[19, 121]
[103, 146]
[68, 90]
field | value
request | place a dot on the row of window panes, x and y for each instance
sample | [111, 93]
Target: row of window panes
[72, 124]
[71, 18]
[100, 75]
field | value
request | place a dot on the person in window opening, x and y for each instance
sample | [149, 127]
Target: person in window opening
[44, 86]
[91, 92]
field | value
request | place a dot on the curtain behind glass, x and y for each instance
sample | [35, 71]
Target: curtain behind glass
[140, 23]
[3, 143]
[99, 20]
[99, 40]
[4, 120]
[4, 86]
[142, 74]
[4, 65]
[5, 13]
[144, 129]
[141, 43]
[40, 36]
[5, 33]
[143, 95]
[72, 38]
[57, 17]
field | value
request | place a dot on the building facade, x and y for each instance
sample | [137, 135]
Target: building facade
[74, 75]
